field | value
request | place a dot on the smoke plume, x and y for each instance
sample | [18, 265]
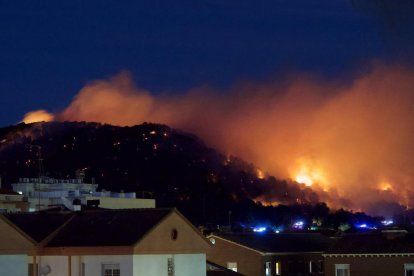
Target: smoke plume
[345, 139]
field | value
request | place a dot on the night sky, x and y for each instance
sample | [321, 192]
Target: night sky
[49, 50]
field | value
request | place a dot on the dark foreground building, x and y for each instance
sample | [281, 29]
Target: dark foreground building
[381, 253]
[287, 254]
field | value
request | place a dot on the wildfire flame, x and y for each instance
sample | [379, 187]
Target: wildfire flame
[357, 131]
[385, 186]
[260, 174]
[304, 179]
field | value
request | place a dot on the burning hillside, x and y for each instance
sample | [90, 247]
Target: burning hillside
[344, 139]
[174, 167]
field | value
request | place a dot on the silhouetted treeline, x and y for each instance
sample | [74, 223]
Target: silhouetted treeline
[175, 168]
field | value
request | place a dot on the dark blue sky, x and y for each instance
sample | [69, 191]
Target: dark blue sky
[50, 49]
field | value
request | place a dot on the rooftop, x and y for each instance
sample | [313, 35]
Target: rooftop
[108, 227]
[97, 227]
[374, 243]
[282, 242]
[38, 225]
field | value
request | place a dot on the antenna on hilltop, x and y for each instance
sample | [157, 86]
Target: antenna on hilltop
[39, 159]
[40, 167]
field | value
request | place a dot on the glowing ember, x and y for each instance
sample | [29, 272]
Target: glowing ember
[385, 186]
[260, 174]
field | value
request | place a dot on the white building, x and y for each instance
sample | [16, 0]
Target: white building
[11, 201]
[102, 242]
[44, 193]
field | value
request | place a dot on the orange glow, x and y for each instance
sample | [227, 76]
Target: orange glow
[37, 116]
[308, 172]
[304, 179]
[260, 174]
[385, 186]
[354, 133]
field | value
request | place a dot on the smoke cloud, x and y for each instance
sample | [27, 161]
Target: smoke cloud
[347, 139]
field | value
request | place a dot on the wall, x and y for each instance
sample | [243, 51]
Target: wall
[156, 265]
[11, 241]
[159, 240]
[13, 265]
[294, 263]
[190, 264]
[150, 265]
[369, 266]
[123, 203]
[58, 264]
[93, 264]
[249, 262]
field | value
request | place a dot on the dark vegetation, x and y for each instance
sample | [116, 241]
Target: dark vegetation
[175, 168]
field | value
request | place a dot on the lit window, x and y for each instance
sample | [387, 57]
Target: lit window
[278, 268]
[232, 266]
[409, 269]
[268, 269]
[342, 270]
[111, 270]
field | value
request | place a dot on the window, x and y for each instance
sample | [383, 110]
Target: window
[409, 269]
[278, 268]
[268, 269]
[170, 267]
[342, 270]
[111, 270]
[232, 266]
[316, 267]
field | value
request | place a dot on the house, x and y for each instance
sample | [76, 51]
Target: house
[379, 253]
[270, 253]
[101, 242]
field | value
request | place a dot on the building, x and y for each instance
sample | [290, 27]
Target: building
[44, 193]
[11, 201]
[379, 253]
[269, 254]
[101, 242]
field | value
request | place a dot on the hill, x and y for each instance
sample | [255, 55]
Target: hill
[177, 168]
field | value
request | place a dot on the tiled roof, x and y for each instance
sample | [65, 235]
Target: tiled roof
[108, 227]
[282, 242]
[38, 225]
[373, 243]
